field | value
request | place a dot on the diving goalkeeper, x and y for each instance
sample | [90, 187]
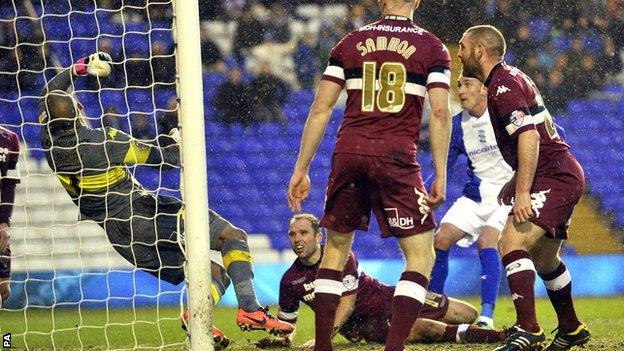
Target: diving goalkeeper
[142, 226]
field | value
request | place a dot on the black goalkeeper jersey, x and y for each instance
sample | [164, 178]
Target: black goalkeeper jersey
[90, 165]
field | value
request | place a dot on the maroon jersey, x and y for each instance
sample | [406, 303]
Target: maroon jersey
[515, 105]
[9, 155]
[386, 67]
[9, 177]
[297, 285]
[371, 316]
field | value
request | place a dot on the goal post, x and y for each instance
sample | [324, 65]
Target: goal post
[191, 114]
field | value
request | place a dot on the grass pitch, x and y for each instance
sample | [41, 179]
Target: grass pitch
[151, 329]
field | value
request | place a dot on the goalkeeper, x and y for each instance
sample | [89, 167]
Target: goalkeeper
[143, 227]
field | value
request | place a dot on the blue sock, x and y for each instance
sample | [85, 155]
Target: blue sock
[440, 271]
[490, 279]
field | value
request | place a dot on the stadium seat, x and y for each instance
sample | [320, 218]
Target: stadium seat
[540, 28]
[562, 43]
[56, 28]
[7, 12]
[132, 26]
[82, 47]
[139, 100]
[82, 25]
[137, 44]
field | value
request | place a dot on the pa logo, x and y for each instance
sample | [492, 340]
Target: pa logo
[6, 341]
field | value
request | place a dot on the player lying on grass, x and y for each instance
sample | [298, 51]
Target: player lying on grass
[365, 308]
[143, 227]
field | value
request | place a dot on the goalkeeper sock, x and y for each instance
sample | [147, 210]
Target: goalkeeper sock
[217, 289]
[237, 262]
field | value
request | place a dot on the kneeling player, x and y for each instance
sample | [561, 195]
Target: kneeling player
[365, 308]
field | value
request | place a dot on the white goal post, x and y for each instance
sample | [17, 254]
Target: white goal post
[194, 172]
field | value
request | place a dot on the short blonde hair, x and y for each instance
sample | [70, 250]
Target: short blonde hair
[490, 37]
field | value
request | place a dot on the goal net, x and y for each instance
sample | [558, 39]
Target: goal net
[70, 289]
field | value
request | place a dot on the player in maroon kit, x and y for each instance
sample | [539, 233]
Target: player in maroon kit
[386, 67]
[544, 190]
[365, 310]
[9, 177]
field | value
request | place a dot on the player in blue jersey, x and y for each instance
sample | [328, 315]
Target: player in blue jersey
[476, 216]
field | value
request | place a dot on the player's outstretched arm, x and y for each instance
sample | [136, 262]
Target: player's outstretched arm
[439, 138]
[320, 112]
[97, 64]
[141, 153]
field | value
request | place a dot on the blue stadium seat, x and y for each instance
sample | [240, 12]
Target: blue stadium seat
[9, 111]
[510, 57]
[82, 47]
[56, 28]
[82, 25]
[28, 106]
[135, 27]
[57, 7]
[164, 36]
[164, 24]
[140, 99]
[540, 28]
[270, 130]
[593, 43]
[136, 44]
[110, 28]
[213, 80]
[614, 88]
[7, 12]
[163, 96]
[562, 43]
[576, 107]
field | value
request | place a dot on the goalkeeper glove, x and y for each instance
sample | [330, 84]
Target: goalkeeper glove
[97, 64]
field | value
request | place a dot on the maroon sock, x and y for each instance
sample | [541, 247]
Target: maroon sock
[327, 292]
[409, 296]
[559, 288]
[450, 333]
[521, 277]
[475, 334]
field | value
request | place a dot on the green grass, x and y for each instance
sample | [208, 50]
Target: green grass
[150, 329]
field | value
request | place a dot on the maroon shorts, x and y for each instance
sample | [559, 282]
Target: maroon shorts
[556, 189]
[374, 327]
[5, 263]
[391, 187]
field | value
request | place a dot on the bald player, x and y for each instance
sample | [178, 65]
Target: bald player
[547, 184]
[143, 227]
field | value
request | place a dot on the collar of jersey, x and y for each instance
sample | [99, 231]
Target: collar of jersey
[396, 18]
[489, 78]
